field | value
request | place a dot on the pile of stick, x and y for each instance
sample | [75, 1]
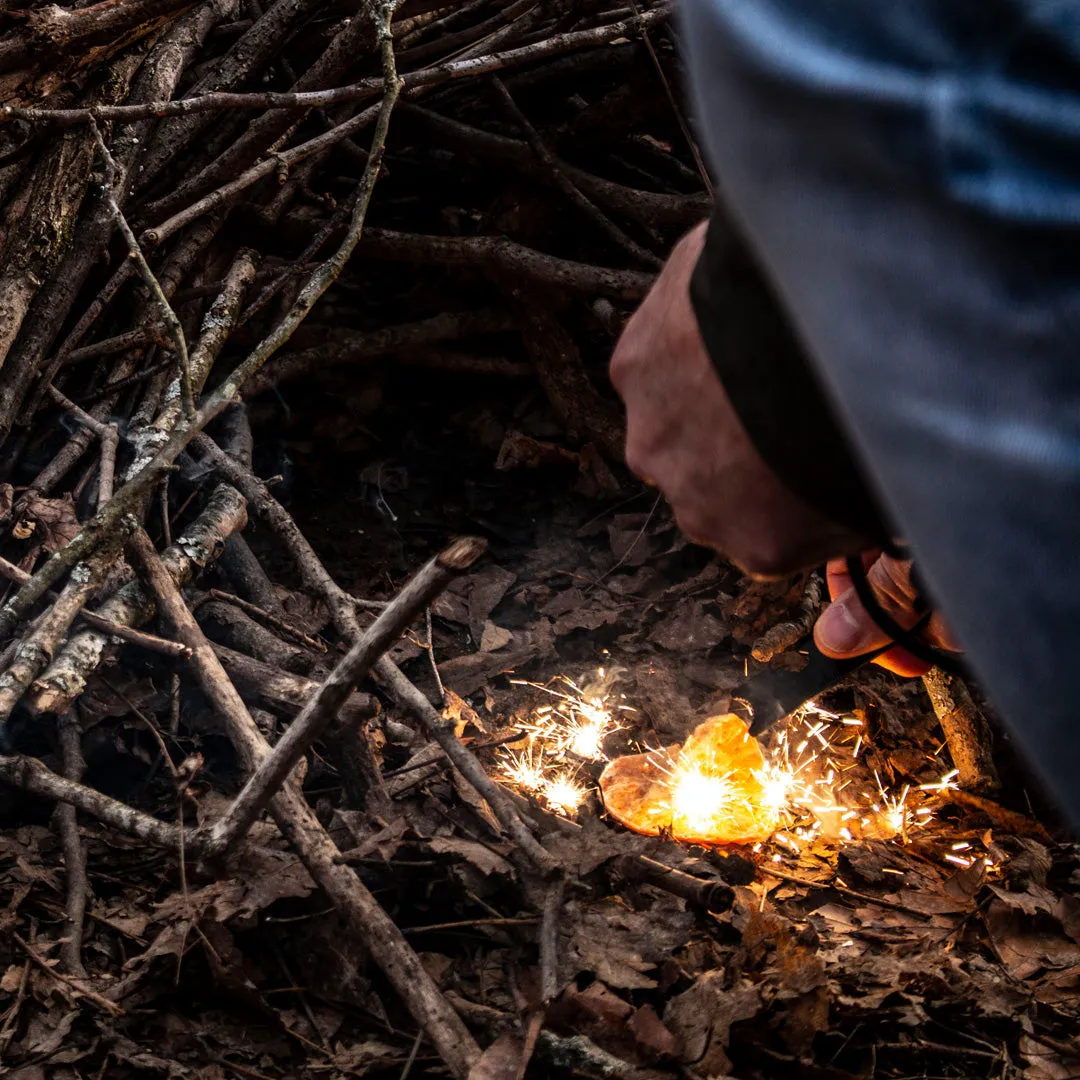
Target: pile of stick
[182, 185]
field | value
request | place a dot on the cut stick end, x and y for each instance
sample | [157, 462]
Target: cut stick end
[462, 553]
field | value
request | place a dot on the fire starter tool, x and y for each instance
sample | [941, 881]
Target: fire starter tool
[772, 695]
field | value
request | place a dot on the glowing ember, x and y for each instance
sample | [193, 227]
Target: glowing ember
[707, 791]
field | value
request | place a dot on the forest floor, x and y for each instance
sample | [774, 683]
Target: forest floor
[413, 300]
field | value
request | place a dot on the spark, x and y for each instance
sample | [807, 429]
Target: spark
[700, 799]
[563, 794]
[525, 768]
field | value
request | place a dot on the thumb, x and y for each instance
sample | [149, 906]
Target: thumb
[845, 629]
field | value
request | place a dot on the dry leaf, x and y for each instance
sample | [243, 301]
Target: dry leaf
[483, 858]
[500, 1060]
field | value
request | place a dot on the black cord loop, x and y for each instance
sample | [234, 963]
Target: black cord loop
[907, 639]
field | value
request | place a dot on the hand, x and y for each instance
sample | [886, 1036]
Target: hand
[845, 629]
[684, 435]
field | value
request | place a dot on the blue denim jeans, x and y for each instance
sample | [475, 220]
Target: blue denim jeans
[908, 174]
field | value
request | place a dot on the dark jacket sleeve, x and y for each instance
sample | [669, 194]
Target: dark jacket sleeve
[773, 387]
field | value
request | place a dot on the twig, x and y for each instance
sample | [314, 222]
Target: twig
[466, 923]
[172, 323]
[29, 774]
[148, 470]
[76, 985]
[284, 692]
[281, 625]
[297, 821]
[331, 695]
[36, 649]
[507, 257]
[130, 605]
[709, 895]
[965, 729]
[359, 91]
[74, 849]
[549, 940]
[216, 327]
[783, 635]
[126, 633]
[566, 186]
[442, 731]
[869, 898]
[342, 606]
[109, 435]
[431, 656]
[343, 612]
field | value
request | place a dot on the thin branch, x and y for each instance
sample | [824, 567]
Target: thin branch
[566, 185]
[29, 774]
[147, 473]
[321, 709]
[283, 627]
[74, 849]
[172, 323]
[73, 984]
[126, 633]
[34, 652]
[359, 91]
[109, 435]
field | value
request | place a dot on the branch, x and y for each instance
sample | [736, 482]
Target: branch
[36, 649]
[66, 676]
[126, 633]
[566, 186]
[317, 714]
[172, 323]
[359, 91]
[145, 474]
[506, 257]
[29, 774]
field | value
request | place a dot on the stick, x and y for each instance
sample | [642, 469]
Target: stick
[783, 635]
[286, 629]
[66, 676]
[29, 774]
[317, 714]
[98, 622]
[216, 327]
[297, 821]
[284, 692]
[549, 941]
[36, 649]
[148, 472]
[342, 606]
[74, 848]
[463, 759]
[359, 91]
[566, 186]
[74, 984]
[172, 323]
[109, 435]
[503, 257]
[343, 612]
[965, 729]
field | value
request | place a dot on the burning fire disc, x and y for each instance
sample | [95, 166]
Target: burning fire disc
[708, 791]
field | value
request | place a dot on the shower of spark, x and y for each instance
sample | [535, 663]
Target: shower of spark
[812, 784]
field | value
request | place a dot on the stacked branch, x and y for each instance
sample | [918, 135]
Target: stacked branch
[206, 204]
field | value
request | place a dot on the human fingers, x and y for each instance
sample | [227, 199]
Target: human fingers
[846, 629]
